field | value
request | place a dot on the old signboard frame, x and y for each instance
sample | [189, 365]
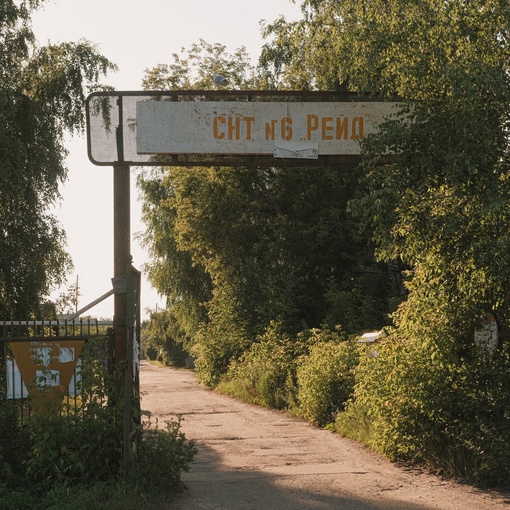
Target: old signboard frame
[215, 122]
[230, 127]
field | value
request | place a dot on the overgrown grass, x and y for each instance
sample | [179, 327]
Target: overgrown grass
[357, 425]
[116, 496]
[74, 461]
[241, 389]
[161, 457]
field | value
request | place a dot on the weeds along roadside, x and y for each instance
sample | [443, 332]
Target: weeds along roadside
[72, 460]
[423, 401]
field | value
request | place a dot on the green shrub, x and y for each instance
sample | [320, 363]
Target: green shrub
[266, 372]
[355, 422]
[239, 388]
[67, 483]
[72, 450]
[162, 339]
[431, 406]
[151, 352]
[72, 460]
[476, 437]
[311, 374]
[215, 348]
[161, 457]
[325, 378]
[19, 500]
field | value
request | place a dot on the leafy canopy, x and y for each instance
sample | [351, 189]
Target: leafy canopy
[235, 249]
[42, 93]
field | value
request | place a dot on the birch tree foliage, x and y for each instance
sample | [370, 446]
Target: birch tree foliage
[194, 68]
[42, 96]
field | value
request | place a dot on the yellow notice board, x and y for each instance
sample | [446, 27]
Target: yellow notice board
[47, 365]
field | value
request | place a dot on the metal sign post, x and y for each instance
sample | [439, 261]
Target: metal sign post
[121, 254]
[121, 240]
[121, 259]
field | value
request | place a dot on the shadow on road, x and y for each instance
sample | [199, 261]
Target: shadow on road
[251, 458]
[211, 485]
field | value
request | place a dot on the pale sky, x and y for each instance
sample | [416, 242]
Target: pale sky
[135, 35]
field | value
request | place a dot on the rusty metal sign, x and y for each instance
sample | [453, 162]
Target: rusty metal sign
[247, 128]
[284, 129]
[47, 367]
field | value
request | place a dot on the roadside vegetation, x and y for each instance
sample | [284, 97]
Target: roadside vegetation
[273, 274]
[72, 459]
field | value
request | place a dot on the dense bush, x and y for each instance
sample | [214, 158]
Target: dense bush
[265, 374]
[217, 344]
[448, 412]
[161, 457]
[311, 374]
[163, 340]
[237, 248]
[64, 450]
[54, 447]
[325, 378]
[167, 351]
[214, 356]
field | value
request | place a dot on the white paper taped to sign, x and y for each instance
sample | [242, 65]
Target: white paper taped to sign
[235, 127]
[295, 150]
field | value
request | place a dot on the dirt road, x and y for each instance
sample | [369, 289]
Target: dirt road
[252, 458]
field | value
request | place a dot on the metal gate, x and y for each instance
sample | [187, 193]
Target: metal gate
[41, 358]
[23, 341]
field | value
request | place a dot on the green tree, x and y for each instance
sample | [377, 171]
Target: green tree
[42, 93]
[162, 339]
[443, 204]
[237, 248]
[441, 207]
[186, 285]
[194, 68]
[285, 62]
[268, 245]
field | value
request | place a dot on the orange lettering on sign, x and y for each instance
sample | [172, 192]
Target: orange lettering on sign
[342, 128]
[249, 122]
[216, 128]
[286, 132]
[312, 124]
[358, 128]
[327, 128]
[334, 128]
[270, 129]
[286, 128]
[232, 127]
